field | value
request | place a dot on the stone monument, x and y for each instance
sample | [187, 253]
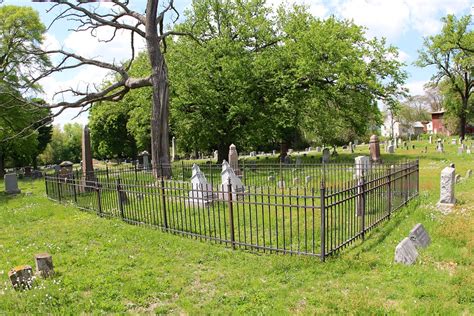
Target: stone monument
[326, 155]
[374, 145]
[406, 252]
[11, 183]
[419, 236]
[447, 199]
[227, 175]
[234, 159]
[87, 166]
[173, 148]
[201, 193]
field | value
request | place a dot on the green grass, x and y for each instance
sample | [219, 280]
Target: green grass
[106, 265]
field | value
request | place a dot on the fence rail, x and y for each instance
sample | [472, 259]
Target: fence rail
[302, 218]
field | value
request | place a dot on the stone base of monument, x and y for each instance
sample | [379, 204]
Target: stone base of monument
[21, 277]
[445, 208]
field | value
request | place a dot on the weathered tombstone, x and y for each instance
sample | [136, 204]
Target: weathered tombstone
[273, 152]
[362, 164]
[87, 166]
[234, 159]
[173, 149]
[419, 236]
[318, 149]
[406, 252]
[281, 184]
[390, 149]
[21, 277]
[447, 198]
[310, 148]
[201, 193]
[453, 141]
[11, 183]
[216, 154]
[271, 178]
[44, 264]
[468, 173]
[457, 178]
[298, 161]
[296, 181]
[145, 159]
[227, 175]
[66, 169]
[27, 170]
[439, 146]
[374, 148]
[430, 139]
[460, 151]
[287, 159]
[326, 155]
[308, 179]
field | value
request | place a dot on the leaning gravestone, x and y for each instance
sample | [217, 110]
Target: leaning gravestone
[406, 252]
[447, 187]
[44, 265]
[419, 236]
[326, 155]
[11, 184]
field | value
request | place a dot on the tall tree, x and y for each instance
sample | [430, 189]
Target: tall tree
[451, 52]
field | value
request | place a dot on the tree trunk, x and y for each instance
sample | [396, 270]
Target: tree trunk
[222, 152]
[160, 101]
[284, 145]
[2, 165]
[463, 119]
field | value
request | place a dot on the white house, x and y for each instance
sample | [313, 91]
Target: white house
[399, 129]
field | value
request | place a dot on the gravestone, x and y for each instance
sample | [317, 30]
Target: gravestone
[439, 146]
[326, 155]
[146, 159]
[457, 178]
[253, 154]
[173, 149]
[419, 236]
[27, 170]
[447, 187]
[406, 252]
[44, 265]
[374, 148]
[430, 139]
[468, 173]
[11, 183]
[453, 141]
[201, 193]
[287, 160]
[298, 161]
[362, 164]
[227, 175]
[296, 181]
[271, 178]
[390, 149]
[460, 151]
[308, 179]
[66, 169]
[273, 152]
[21, 277]
[216, 155]
[87, 166]
[234, 159]
[318, 149]
[281, 184]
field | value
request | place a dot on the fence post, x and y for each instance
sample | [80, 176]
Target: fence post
[389, 189]
[119, 196]
[136, 173]
[231, 213]
[107, 171]
[362, 184]
[46, 185]
[99, 201]
[417, 177]
[182, 168]
[74, 188]
[163, 201]
[59, 187]
[323, 220]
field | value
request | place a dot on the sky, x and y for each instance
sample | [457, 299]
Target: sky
[404, 23]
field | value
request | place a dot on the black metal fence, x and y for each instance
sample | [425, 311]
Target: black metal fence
[299, 217]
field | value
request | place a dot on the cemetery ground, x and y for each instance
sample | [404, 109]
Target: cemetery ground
[110, 266]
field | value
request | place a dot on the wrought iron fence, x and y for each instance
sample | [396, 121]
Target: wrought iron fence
[318, 217]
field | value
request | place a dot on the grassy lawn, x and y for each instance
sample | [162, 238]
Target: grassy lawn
[106, 265]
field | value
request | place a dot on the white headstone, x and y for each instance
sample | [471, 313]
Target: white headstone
[362, 164]
[11, 183]
[201, 193]
[173, 148]
[453, 141]
[419, 236]
[296, 181]
[469, 174]
[431, 139]
[281, 184]
[236, 184]
[308, 179]
[447, 187]
[234, 159]
[405, 252]
[271, 178]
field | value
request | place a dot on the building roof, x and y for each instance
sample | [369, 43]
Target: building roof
[418, 124]
[438, 112]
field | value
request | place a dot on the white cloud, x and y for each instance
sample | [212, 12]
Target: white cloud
[316, 7]
[416, 87]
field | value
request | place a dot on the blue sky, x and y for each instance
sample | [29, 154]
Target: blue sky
[403, 22]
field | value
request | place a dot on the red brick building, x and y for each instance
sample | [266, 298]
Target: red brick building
[438, 123]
